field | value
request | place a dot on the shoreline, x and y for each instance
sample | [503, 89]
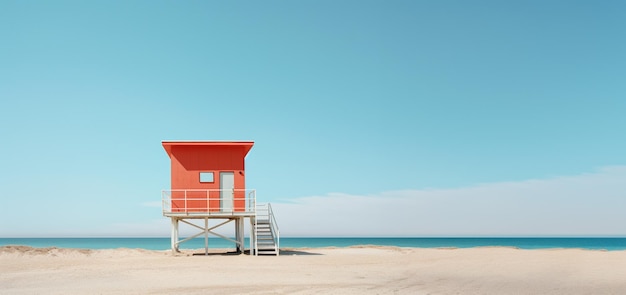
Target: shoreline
[28, 248]
[595, 243]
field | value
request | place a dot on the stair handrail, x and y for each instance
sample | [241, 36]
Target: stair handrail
[274, 226]
[256, 231]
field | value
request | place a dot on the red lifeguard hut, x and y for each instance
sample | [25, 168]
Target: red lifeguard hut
[208, 182]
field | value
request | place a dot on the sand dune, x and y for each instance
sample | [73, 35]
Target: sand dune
[354, 270]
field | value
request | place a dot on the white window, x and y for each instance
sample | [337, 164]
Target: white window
[206, 177]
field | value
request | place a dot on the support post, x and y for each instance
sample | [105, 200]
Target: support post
[237, 247]
[252, 237]
[239, 235]
[174, 235]
[242, 234]
[206, 236]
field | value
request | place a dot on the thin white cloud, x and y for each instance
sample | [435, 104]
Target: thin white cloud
[588, 204]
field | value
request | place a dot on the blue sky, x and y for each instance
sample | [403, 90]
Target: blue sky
[371, 101]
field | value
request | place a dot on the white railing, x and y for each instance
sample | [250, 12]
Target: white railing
[274, 226]
[217, 201]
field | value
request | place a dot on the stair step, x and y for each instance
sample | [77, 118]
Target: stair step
[267, 252]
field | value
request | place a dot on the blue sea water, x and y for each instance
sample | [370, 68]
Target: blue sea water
[610, 244]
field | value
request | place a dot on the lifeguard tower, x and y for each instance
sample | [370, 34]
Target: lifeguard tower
[208, 182]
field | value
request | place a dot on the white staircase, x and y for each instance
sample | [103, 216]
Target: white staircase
[266, 231]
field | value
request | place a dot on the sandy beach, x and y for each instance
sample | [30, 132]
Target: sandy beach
[354, 270]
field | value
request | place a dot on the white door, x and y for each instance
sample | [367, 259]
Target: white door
[227, 186]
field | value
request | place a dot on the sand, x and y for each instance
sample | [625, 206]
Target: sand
[354, 270]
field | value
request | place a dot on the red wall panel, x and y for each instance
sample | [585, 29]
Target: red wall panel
[188, 160]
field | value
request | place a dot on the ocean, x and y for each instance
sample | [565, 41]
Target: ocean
[592, 243]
